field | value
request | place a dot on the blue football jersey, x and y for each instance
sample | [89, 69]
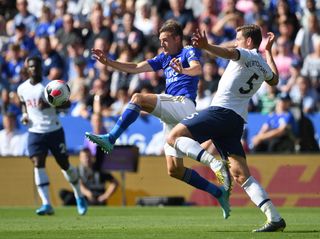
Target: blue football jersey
[178, 84]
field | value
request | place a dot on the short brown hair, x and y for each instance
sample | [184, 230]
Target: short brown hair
[173, 27]
[253, 31]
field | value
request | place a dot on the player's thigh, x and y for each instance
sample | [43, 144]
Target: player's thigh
[37, 144]
[173, 109]
[57, 145]
[200, 125]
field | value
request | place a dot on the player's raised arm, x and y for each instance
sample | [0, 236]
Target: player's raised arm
[128, 67]
[270, 60]
[200, 40]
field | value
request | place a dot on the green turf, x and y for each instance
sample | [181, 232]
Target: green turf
[153, 222]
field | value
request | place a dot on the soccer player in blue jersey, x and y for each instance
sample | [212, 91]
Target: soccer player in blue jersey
[223, 121]
[181, 66]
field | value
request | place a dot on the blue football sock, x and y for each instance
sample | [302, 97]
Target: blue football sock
[194, 179]
[130, 115]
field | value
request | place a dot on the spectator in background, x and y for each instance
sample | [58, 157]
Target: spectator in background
[121, 79]
[307, 9]
[295, 70]
[127, 35]
[304, 95]
[25, 17]
[97, 29]
[99, 99]
[44, 23]
[142, 19]
[311, 65]
[92, 182]
[59, 11]
[184, 16]
[283, 59]
[97, 126]
[210, 13]
[277, 134]
[210, 76]
[95, 68]
[21, 38]
[53, 66]
[12, 66]
[288, 30]
[283, 13]
[80, 77]
[229, 7]
[121, 102]
[204, 97]
[267, 101]
[13, 141]
[306, 37]
[66, 35]
[258, 12]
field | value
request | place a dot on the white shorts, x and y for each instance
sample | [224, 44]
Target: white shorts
[171, 110]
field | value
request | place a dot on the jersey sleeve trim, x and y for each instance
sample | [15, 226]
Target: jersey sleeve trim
[273, 75]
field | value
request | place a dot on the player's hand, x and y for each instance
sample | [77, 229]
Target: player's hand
[43, 104]
[101, 198]
[176, 65]
[24, 119]
[99, 55]
[271, 39]
[199, 40]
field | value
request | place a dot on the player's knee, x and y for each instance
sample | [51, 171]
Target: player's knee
[171, 139]
[38, 162]
[136, 98]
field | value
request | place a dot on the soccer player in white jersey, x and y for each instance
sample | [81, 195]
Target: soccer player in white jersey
[45, 133]
[223, 121]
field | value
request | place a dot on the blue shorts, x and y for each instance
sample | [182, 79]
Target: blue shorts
[223, 126]
[41, 143]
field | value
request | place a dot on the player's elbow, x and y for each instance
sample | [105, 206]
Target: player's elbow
[274, 80]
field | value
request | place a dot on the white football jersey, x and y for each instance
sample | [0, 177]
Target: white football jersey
[41, 120]
[241, 80]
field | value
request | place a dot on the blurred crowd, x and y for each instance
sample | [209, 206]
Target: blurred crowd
[62, 32]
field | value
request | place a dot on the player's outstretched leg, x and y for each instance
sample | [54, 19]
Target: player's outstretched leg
[72, 176]
[194, 150]
[194, 179]
[107, 141]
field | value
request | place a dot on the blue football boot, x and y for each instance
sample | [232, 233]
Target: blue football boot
[45, 210]
[101, 140]
[224, 203]
[82, 206]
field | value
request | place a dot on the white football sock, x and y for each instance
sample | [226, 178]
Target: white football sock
[192, 149]
[72, 177]
[42, 182]
[259, 196]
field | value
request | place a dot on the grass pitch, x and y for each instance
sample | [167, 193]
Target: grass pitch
[153, 222]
